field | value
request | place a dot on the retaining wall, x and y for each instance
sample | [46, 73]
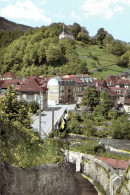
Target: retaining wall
[39, 180]
[97, 170]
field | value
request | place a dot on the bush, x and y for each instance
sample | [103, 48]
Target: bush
[34, 106]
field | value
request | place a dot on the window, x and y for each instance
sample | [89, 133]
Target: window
[37, 97]
[30, 97]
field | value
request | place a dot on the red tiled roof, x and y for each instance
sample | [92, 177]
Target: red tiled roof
[99, 82]
[122, 81]
[117, 80]
[115, 163]
[31, 85]
[127, 101]
[112, 79]
[126, 76]
[127, 82]
[8, 75]
[113, 90]
[100, 85]
[13, 82]
[72, 77]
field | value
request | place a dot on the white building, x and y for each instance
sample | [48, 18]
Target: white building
[66, 35]
[61, 91]
[53, 90]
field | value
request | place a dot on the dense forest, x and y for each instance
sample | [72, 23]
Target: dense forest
[7, 25]
[40, 52]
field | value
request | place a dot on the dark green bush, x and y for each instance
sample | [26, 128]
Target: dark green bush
[34, 106]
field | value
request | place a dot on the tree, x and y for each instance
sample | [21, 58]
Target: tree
[105, 101]
[53, 30]
[104, 106]
[120, 128]
[107, 42]
[14, 110]
[98, 113]
[83, 68]
[113, 114]
[118, 48]
[124, 60]
[82, 36]
[91, 97]
[73, 125]
[54, 54]
[75, 29]
[88, 129]
[101, 35]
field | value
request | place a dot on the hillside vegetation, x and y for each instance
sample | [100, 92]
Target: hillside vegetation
[100, 62]
[7, 25]
[40, 52]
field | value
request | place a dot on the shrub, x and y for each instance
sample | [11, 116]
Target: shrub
[34, 106]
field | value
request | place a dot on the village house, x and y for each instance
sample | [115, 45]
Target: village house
[67, 89]
[28, 89]
[112, 80]
[60, 91]
[4, 84]
[32, 91]
[118, 88]
[8, 76]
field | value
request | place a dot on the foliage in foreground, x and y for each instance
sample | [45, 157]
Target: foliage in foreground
[22, 147]
[19, 144]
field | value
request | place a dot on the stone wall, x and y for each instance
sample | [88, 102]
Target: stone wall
[99, 172]
[124, 187]
[43, 179]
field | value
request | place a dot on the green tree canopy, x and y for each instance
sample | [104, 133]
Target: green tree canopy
[82, 36]
[118, 48]
[105, 104]
[13, 109]
[120, 128]
[91, 97]
[124, 60]
[105, 101]
[75, 29]
[101, 35]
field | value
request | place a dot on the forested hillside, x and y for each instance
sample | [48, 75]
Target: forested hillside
[40, 52]
[7, 25]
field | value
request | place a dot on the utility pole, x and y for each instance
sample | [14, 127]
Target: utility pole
[40, 115]
[52, 119]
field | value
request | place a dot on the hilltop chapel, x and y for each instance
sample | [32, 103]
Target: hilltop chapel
[65, 34]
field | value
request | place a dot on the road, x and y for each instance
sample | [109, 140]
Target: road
[46, 118]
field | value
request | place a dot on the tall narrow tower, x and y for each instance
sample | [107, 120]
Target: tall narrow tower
[63, 27]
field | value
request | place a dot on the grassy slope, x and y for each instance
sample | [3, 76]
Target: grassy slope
[107, 61]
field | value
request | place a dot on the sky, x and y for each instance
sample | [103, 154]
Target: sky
[112, 15]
